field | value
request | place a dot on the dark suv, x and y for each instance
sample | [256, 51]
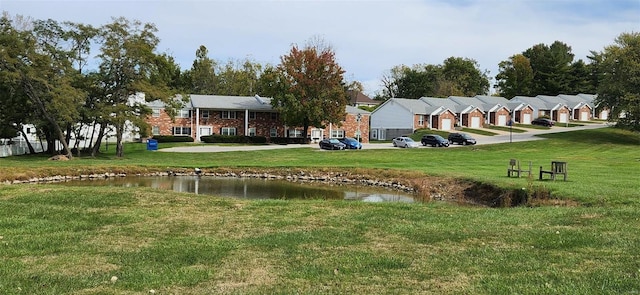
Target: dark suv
[434, 140]
[461, 138]
[542, 122]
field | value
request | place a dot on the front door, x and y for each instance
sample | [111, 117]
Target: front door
[204, 131]
[316, 134]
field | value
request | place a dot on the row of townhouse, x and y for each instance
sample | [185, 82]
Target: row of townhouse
[400, 116]
[247, 116]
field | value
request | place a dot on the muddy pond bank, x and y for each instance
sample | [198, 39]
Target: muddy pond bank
[424, 187]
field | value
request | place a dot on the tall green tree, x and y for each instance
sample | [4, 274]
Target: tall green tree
[37, 63]
[551, 68]
[129, 68]
[419, 81]
[308, 87]
[238, 78]
[201, 78]
[515, 77]
[619, 89]
[465, 73]
[456, 76]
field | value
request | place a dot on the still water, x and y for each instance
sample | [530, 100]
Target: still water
[253, 188]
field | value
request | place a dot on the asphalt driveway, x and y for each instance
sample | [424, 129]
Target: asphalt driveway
[503, 137]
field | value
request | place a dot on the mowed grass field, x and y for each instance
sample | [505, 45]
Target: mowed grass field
[57, 239]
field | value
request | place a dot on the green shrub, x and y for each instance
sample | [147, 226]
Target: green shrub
[171, 138]
[289, 140]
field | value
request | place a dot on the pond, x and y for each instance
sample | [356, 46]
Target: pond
[254, 188]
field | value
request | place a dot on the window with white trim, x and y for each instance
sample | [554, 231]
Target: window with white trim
[273, 132]
[295, 133]
[420, 120]
[252, 131]
[228, 114]
[252, 115]
[183, 114]
[205, 114]
[155, 113]
[181, 131]
[228, 131]
[155, 130]
[337, 133]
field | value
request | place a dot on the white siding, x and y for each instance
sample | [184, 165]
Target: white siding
[391, 116]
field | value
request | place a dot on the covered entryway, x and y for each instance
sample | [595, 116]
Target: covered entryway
[316, 135]
[204, 131]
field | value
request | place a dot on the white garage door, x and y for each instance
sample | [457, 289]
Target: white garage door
[526, 119]
[604, 115]
[446, 124]
[563, 118]
[584, 116]
[502, 120]
[475, 122]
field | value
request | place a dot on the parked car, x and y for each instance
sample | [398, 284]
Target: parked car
[351, 143]
[434, 140]
[405, 142]
[332, 144]
[543, 122]
[461, 138]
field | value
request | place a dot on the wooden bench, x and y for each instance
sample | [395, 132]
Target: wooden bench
[557, 168]
[515, 170]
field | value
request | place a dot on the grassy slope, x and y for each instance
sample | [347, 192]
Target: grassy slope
[56, 239]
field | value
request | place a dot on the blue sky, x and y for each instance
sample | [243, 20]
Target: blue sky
[369, 36]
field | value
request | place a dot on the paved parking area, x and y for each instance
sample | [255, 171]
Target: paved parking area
[503, 137]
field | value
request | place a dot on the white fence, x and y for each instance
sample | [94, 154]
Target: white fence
[19, 147]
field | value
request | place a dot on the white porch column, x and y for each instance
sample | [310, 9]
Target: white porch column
[246, 122]
[197, 125]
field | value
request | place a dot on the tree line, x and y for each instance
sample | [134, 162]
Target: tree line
[51, 77]
[45, 81]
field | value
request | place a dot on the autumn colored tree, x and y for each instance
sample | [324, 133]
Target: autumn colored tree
[308, 87]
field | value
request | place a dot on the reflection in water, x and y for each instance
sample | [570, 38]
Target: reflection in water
[252, 188]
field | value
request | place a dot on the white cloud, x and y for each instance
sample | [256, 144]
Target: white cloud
[369, 37]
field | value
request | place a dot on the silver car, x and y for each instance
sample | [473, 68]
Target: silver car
[405, 142]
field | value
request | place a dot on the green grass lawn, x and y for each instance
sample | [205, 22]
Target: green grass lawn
[57, 239]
